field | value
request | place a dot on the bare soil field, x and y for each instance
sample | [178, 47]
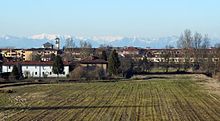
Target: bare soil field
[210, 84]
[152, 98]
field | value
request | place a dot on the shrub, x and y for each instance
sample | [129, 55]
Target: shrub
[67, 75]
[5, 76]
[78, 73]
[92, 73]
[2, 80]
[7, 91]
[128, 74]
[127, 68]
[98, 73]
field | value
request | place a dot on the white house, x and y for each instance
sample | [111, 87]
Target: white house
[36, 68]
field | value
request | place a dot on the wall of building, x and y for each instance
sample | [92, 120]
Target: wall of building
[7, 69]
[37, 71]
[104, 66]
[28, 55]
[13, 53]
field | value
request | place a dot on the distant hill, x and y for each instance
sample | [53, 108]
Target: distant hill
[38, 40]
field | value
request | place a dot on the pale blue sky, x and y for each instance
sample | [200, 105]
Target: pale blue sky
[146, 18]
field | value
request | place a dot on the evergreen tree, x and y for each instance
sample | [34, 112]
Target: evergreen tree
[103, 55]
[1, 57]
[1, 60]
[114, 63]
[52, 57]
[58, 66]
[15, 74]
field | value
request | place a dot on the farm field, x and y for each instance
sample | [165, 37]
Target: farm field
[156, 98]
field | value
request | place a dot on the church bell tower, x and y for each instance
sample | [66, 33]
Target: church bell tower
[57, 43]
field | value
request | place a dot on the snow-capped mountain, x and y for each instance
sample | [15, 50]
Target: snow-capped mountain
[116, 41]
[164, 41]
[8, 37]
[44, 36]
[131, 41]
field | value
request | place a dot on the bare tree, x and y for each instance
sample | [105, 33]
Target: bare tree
[185, 42]
[194, 46]
[197, 45]
[168, 58]
[70, 43]
[84, 44]
[87, 49]
[206, 42]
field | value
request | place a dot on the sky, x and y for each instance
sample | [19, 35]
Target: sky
[145, 18]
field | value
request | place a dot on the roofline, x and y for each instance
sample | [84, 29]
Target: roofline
[33, 63]
[89, 62]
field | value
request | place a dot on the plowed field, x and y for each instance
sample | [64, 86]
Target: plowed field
[170, 98]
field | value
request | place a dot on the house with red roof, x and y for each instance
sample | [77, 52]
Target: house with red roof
[93, 62]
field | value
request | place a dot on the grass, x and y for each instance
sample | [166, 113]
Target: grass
[170, 98]
[154, 70]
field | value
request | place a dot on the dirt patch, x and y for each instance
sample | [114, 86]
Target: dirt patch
[2, 115]
[27, 97]
[37, 95]
[212, 85]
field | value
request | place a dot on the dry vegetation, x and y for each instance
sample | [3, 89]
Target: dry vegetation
[210, 84]
[152, 98]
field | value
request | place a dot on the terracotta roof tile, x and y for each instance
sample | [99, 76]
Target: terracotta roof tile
[93, 60]
[34, 63]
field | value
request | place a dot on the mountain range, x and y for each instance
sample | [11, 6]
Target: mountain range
[37, 41]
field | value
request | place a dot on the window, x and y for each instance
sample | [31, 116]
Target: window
[26, 67]
[35, 67]
[35, 73]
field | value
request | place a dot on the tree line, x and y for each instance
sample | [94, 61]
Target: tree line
[196, 57]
